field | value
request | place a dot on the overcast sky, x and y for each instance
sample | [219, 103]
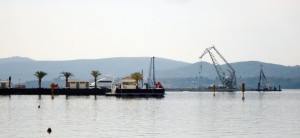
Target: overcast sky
[242, 30]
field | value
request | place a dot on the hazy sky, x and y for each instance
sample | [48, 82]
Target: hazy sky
[242, 30]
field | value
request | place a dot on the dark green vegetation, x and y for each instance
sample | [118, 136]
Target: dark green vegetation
[95, 74]
[40, 75]
[66, 75]
[171, 73]
[137, 76]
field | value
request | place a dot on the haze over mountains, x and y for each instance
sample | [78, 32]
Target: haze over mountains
[24, 68]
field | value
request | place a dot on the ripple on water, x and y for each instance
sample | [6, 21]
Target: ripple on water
[184, 114]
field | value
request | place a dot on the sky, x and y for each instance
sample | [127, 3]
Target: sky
[242, 30]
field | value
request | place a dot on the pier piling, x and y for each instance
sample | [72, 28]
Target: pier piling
[243, 90]
[53, 86]
[214, 89]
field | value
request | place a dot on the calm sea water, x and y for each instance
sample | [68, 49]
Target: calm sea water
[180, 114]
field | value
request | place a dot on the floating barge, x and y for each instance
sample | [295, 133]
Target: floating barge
[104, 92]
[263, 84]
[137, 93]
[128, 86]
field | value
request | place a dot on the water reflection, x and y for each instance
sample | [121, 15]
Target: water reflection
[185, 114]
[140, 98]
[78, 96]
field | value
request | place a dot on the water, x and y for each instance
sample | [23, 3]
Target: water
[184, 114]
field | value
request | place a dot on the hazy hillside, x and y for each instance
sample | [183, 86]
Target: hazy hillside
[243, 69]
[248, 72]
[24, 68]
[252, 68]
[15, 59]
[191, 70]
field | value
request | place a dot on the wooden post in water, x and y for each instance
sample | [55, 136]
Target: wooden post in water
[243, 90]
[214, 89]
[52, 90]
[53, 86]
[9, 82]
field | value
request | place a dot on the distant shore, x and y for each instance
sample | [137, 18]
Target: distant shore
[207, 90]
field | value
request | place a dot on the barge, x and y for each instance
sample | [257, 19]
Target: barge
[137, 93]
[129, 86]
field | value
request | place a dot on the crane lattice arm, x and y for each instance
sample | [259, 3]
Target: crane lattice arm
[228, 81]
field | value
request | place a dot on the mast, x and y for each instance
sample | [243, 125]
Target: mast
[154, 81]
[200, 79]
[150, 74]
[259, 78]
[142, 78]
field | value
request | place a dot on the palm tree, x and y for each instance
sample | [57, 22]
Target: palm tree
[95, 74]
[67, 75]
[137, 76]
[40, 75]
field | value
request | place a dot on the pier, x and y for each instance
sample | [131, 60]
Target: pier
[137, 93]
[47, 91]
[103, 92]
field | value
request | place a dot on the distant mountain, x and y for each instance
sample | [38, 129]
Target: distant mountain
[24, 68]
[252, 69]
[15, 59]
[191, 70]
[203, 74]
[243, 69]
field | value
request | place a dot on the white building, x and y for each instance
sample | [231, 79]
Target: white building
[4, 84]
[128, 83]
[78, 84]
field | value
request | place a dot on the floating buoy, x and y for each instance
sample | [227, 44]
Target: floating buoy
[49, 130]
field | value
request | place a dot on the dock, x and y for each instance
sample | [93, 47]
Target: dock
[137, 93]
[47, 91]
[103, 92]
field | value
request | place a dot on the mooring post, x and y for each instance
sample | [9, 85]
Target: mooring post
[52, 90]
[214, 89]
[53, 86]
[243, 90]
[9, 82]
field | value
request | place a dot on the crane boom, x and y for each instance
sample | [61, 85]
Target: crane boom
[206, 51]
[224, 59]
[228, 81]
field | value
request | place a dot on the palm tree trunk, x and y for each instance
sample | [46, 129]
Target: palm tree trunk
[95, 83]
[40, 83]
[66, 82]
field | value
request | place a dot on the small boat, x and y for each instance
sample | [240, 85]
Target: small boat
[105, 82]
